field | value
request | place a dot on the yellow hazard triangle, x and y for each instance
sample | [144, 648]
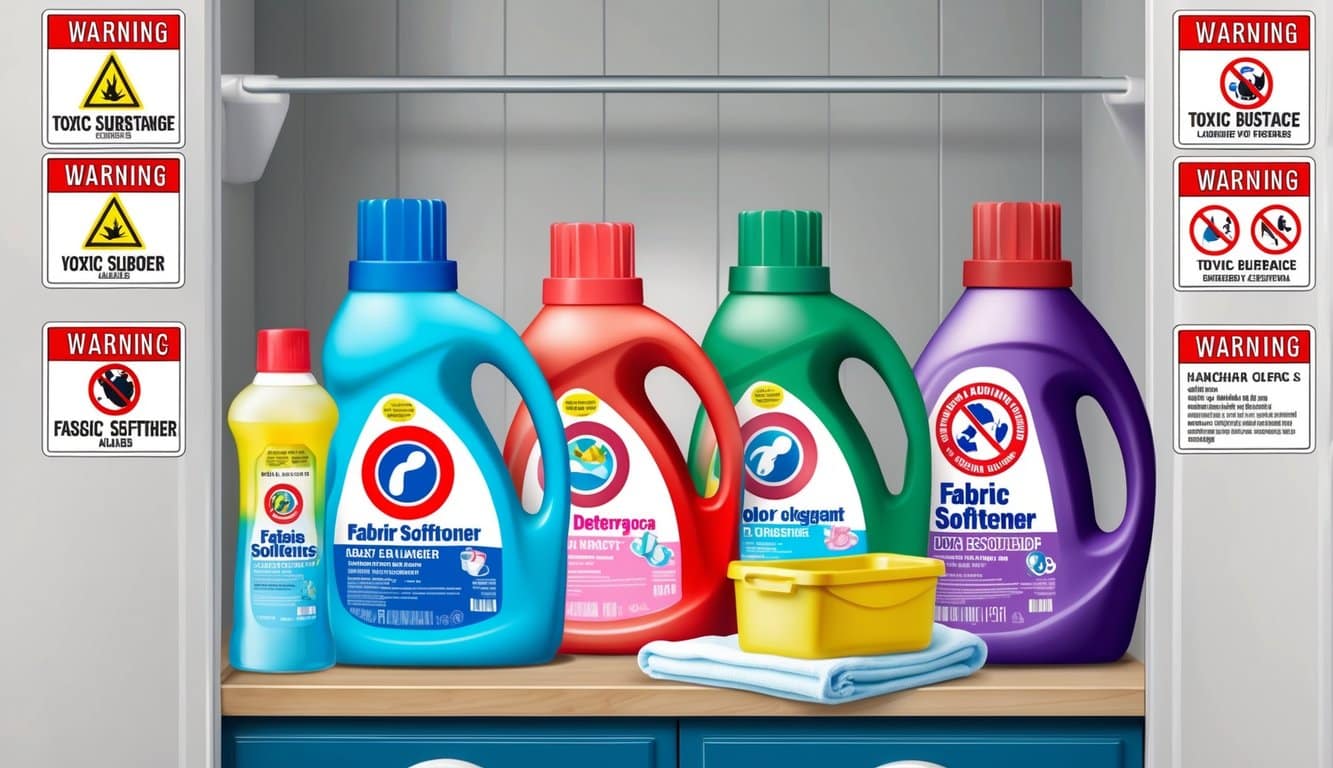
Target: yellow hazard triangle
[111, 89]
[113, 228]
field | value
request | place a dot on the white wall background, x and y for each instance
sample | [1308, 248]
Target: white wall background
[895, 175]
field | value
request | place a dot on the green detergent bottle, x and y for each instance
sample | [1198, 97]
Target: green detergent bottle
[813, 487]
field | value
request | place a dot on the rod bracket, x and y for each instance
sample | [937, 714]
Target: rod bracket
[1127, 113]
[251, 123]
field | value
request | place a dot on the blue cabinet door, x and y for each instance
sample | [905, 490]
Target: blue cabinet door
[490, 743]
[949, 743]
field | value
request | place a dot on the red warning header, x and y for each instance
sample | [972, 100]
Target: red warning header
[113, 174]
[109, 344]
[1244, 179]
[152, 31]
[1244, 33]
[1243, 346]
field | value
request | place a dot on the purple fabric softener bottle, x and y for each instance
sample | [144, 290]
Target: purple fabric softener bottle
[1011, 515]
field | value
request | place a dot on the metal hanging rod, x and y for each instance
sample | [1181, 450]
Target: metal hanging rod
[654, 84]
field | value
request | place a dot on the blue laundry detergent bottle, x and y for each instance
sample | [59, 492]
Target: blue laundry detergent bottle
[435, 563]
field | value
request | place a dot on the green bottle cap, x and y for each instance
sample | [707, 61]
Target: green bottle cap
[781, 251]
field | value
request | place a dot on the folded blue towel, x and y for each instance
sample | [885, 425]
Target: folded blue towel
[719, 661]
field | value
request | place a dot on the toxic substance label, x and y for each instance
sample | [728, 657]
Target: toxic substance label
[285, 576]
[113, 221]
[1244, 224]
[113, 79]
[1244, 79]
[113, 390]
[1244, 389]
[416, 538]
[992, 519]
[624, 554]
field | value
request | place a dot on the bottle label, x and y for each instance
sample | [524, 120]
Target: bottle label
[800, 498]
[417, 536]
[992, 520]
[285, 575]
[624, 540]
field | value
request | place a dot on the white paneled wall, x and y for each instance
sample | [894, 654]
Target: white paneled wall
[895, 175]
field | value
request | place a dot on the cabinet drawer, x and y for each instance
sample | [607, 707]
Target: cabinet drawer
[949, 743]
[493, 743]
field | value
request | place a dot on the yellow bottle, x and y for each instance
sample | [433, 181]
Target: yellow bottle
[283, 422]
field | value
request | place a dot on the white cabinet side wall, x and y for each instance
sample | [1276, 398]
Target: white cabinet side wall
[1239, 599]
[109, 577]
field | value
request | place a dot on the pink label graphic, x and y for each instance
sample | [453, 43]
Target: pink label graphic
[612, 578]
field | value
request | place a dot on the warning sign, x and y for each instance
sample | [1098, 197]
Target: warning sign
[1244, 390]
[111, 89]
[113, 228]
[1244, 79]
[113, 389]
[112, 78]
[113, 221]
[1244, 224]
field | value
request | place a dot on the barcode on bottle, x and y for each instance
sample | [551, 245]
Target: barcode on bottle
[481, 605]
[396, 618]
[582, 609]
[1042, 605]
[305, 610]
[958, 614]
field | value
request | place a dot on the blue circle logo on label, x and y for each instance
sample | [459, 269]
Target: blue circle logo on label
[407, 473]
[780, 455]
[1040, 563]
[598, 464]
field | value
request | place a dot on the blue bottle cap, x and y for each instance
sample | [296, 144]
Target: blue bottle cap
[400, 246]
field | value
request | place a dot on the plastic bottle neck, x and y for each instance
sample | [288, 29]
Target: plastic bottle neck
[592, 290]
[284, 379]
[765, 279]
[402, 276]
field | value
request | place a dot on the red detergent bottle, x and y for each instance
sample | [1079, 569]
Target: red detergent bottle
[648, 556]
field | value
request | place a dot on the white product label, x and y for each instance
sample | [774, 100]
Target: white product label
[1244, 224]
[285, 577]
[112, 79]
[109, 222]
[624, 539]
[1244, 79]
[113, 390]
[417, 537]
[992, 520]
[1244, 389]
[800, 499]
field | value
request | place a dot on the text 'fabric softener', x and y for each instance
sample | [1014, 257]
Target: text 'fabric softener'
[1028, 567]
[435, 563]
[813, 486]
[647, 556]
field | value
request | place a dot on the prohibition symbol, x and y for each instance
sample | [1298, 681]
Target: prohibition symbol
[1246, 83]
[1276, 230]
[114, 389]
[982, 429]
[1213, 230]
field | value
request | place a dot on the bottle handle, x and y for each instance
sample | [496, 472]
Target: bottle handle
[691, 364]
[508, 354]
[883, 354]
[1129, 423]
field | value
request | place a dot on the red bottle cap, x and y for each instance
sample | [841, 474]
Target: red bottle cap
[592, 263]
[283, 350]
[1016, 245]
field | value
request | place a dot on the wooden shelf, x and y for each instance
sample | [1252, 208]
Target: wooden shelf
[614, 686]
